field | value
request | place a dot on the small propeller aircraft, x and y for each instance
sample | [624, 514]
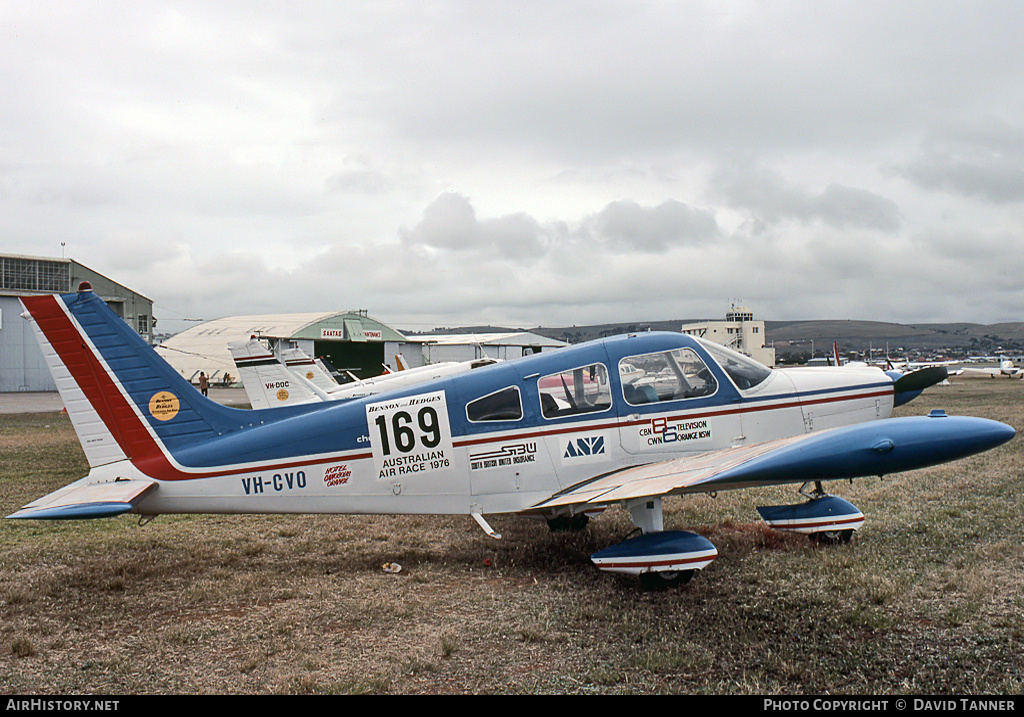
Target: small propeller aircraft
[287, 376]
[1006, 368]
[623, 421]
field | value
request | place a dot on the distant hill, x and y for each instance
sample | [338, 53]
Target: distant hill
[570, 334]
[861, 335]
[796, 336]
[577, 334]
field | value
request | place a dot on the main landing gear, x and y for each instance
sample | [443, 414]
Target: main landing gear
[659, 558]
[568, 523]
[825, 519]
[665, 558]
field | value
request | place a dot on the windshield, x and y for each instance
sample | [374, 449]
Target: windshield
[744, 371]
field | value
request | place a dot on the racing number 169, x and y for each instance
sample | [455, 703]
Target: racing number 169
[402, 434]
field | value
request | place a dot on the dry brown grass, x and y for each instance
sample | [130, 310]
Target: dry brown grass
[926, 599]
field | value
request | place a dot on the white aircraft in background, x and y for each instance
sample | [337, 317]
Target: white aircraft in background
[287, 376]
[1006, 368]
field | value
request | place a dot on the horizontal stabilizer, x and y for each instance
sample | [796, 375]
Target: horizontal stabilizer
[87, 500]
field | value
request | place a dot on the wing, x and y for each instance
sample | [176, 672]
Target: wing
[83, 499]
[877, 448]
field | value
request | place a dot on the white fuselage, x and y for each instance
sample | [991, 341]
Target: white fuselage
[510, 470]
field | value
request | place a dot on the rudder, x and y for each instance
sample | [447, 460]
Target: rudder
[123, 399]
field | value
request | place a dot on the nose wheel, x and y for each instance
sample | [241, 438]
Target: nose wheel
[663, 580]
[831, 537]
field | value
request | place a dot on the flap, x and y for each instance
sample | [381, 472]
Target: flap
[673, 476]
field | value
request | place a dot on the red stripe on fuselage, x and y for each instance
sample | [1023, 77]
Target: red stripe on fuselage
[614, 423]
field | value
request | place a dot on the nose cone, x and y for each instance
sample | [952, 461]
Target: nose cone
[1002, 433]
[953, 437]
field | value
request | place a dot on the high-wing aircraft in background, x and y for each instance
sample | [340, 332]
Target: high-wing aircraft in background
[273, 378]
[557, 435]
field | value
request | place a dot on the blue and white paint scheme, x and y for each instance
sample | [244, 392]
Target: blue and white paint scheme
[621, 421]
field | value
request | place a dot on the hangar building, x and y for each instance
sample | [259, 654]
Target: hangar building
[467, 347]
[351, 341]
[348, 340]
[22, 367]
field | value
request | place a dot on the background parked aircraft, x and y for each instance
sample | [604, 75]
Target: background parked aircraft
[281, 377]
[1006, 369]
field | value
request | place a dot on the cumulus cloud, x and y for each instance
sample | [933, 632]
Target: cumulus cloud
[983, 160]
[767, 197]
[450, 223]
[628, 225]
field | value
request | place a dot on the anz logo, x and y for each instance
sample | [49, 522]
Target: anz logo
[583, 447]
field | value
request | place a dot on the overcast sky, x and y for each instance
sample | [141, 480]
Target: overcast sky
[523, 163]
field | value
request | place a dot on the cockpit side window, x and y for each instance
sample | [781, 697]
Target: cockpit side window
[744, 371]
[503, 405]
[580, 390]
[665, 376]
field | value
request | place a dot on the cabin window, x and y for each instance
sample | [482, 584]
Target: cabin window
[580, 390]
[503, 405]
[744, 371]
[665, 376]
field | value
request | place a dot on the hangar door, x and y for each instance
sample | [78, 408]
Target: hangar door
[363, 358]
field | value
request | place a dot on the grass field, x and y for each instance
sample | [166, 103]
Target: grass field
[927, 597]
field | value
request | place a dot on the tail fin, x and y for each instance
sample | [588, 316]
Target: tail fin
[124, 400]
[267, 381]
[299, 364]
